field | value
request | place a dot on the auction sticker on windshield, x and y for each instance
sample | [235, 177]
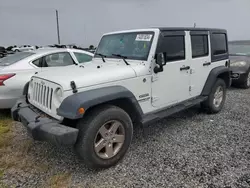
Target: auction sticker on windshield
[143, 37]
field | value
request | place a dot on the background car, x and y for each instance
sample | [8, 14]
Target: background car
[23, 48]
[3, 52]
[17, 69]
[240, 64]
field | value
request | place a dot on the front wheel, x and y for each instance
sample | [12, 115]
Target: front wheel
[104, 137]
[216, 98]
[246, 83]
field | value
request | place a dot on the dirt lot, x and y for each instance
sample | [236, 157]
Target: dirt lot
[189, 149]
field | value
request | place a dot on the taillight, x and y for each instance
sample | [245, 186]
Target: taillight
[5, 77]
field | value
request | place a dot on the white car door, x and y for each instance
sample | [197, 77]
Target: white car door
[206, 56]
[172, 85]
[200, 61]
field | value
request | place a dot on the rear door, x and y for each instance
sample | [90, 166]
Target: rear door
[200, 61]
[209, 50]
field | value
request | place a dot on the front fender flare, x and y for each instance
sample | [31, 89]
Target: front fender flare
[87, 99]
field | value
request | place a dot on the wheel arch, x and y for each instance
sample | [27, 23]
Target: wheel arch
[221, 72]
[113, 95]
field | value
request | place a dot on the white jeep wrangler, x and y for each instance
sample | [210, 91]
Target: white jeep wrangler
[136, 76]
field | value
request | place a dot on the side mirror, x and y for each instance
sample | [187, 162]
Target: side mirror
[160, 59]
[160, 62]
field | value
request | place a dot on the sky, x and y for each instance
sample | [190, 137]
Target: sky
[83, 22]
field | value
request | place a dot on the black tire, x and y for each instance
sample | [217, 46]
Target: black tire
[209, 105]
[246, 84]
[89, 127]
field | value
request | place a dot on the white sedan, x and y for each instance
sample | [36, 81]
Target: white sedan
[23, 48]
[17, 69]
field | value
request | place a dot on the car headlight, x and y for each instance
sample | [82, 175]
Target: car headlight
[59, 95]
[238, 64]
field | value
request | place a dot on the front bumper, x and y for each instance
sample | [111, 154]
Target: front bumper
[43, 128]
[239, 74]
[239, 77]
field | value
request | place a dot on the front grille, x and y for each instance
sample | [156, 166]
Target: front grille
[42, 95]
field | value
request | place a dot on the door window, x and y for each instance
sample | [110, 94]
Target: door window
[174, 46]
[82, 58]
[58, 59]
[199, 45]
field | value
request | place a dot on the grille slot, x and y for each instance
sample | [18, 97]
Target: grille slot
[42, 95]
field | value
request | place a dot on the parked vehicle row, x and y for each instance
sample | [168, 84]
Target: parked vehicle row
[12, 49]
[17, 69]
[135, 77]
[240, 65]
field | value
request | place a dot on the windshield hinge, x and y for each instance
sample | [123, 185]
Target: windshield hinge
[154, 78]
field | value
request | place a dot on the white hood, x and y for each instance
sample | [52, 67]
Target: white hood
[88, 74]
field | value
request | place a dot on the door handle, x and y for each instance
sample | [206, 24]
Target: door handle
[206, 64]
[185, 68]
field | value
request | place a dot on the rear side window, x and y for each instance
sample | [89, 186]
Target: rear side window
[37, 62]
[174, 46]
[219, 45]
[11, 59]
[199, 45]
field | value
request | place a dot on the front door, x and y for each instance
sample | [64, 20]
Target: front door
[172, 85]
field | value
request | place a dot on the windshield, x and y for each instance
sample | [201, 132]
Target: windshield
[13, 58]
[239, 49]
[134, 46]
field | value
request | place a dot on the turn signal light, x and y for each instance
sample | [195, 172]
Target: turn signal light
[5, 77]
[81, 110]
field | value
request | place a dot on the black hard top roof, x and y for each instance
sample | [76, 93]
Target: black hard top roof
[191, 29]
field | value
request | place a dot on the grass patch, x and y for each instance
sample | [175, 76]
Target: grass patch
[5, 129]
[15, 150]
[60, 180]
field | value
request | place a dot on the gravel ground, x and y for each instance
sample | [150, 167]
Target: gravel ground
[189, 149]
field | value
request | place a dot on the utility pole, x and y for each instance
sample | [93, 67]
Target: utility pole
[57, 23]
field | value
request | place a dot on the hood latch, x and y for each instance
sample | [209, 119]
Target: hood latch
[73, 86]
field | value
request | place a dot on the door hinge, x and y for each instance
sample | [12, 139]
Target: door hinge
[153, 99]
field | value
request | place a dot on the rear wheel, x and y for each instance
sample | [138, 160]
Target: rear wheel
[105, 135]
[216, 98]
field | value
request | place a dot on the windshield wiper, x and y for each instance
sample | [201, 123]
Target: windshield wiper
[121, 56]
[102, 56]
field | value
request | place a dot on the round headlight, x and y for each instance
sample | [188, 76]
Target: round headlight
[238, 64]
[59, 95]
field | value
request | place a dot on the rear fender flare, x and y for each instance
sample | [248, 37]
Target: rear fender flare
[213, 76]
